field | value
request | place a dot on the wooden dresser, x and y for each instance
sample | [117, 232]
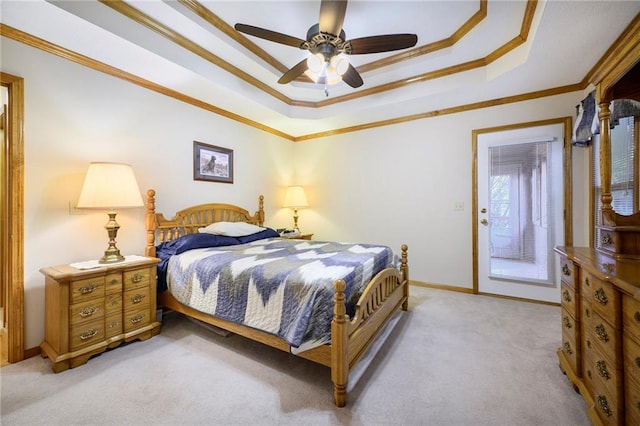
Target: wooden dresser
[600, 351]
[90, 310]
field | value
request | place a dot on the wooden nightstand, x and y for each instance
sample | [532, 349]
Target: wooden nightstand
[90, 310]
[299, 237]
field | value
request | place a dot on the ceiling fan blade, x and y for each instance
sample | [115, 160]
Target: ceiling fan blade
[352, 77]
[270, 35]
[382, 43]
[332, 16]
[294, 72]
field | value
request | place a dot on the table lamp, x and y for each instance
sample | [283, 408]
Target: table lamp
[110, 186]
[295, 199]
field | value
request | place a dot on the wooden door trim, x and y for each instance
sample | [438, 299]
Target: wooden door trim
[568, 182]
[13, 218]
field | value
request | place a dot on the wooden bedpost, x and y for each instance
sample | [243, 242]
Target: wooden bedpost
[261, 210]
[404, 268]
[339, 342]
[150, 224]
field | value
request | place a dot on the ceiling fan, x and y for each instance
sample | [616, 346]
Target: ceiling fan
[326, 41]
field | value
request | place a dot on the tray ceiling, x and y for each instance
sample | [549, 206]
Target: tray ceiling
[467, 52]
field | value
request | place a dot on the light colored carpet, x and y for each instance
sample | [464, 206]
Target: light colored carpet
[453, 359]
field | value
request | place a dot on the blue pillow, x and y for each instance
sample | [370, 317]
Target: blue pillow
[195, 241]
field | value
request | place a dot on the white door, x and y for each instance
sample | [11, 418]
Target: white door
[520, 211]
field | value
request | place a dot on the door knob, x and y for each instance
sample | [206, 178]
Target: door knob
[485, 222]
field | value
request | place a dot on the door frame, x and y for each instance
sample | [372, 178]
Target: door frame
[12, 218]
[568, 199]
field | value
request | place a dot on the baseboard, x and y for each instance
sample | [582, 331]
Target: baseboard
[31, 352]
[442, 287]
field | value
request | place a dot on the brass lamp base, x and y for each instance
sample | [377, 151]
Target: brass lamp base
[112, 253]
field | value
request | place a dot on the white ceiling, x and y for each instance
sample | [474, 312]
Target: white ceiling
[564, 41]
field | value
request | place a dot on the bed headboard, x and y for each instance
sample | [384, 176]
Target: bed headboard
[188, 220]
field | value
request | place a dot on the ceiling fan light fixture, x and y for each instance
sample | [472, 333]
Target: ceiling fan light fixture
[315, 63]
[340, 64]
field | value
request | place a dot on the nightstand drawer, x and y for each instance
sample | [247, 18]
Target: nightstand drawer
[87, 311]
[570, 350]
[113, 283]
[136, 298]
[86, 289]
[136, 318]
[113, 325]
[113, 303]
[137, 278]
[86, 334]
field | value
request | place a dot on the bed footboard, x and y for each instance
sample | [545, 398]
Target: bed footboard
[387, 293]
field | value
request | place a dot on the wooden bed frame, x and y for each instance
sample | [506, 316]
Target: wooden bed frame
[387, 293]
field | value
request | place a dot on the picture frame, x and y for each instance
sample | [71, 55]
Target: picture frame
[212, 163]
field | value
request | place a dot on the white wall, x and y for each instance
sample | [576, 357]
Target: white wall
[398, 184]
[390, 185]
[74, 115]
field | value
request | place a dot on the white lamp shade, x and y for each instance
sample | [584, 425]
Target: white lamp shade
[109, 186]
[295, 197]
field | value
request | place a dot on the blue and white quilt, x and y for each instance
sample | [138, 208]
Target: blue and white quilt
[280, 286]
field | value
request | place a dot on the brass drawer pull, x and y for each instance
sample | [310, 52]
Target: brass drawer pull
[88, 334]
[601, 333]
[137, 277]
[588, 343]
[88, 311]
[586, 282]
[114, 281]
[637, 316]
[137, 298]
[137, 319]
[114, 324]
[587, 313]
[602, 369]
[604, 406]
[566, 322]
[567, 348]
[565, 270]
[638, 361]
[600, 296]
[86, 289]
[606, 239]
[565, 296]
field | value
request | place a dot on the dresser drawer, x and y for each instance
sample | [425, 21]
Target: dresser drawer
[113, 303]
[137, 278]
[586, 312]
[586, 284]
[86, 311]
[568, 272]
[137, 297]
[570, 351]
[89, 288]
[86, 334]
[632, 395]
[113, 325]
[631, 351]
[605, 376]
[606, 338]
[631, 316]
[587, 374]
[606, 301]
[569, 325]
[113, 283]
[136, 318]
[607, 405]
[568, 299]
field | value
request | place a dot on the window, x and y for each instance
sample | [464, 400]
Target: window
[624, 172]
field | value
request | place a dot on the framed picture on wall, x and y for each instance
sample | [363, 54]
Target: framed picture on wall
[212, 163]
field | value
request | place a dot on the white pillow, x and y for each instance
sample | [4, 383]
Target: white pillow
[231, 229]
